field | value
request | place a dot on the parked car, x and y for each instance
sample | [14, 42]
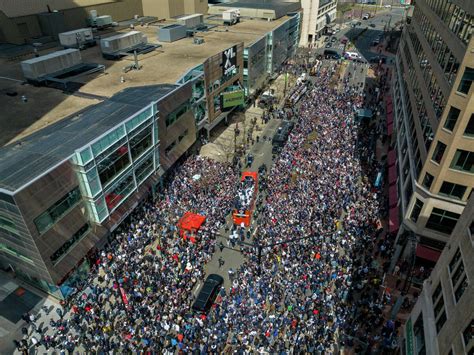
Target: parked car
[388, 6]
[328, 45]
[344, 40]
[333, 39]
[208, 293]
[365, 17]
[326, 39]
[372, 25]
[331, 54]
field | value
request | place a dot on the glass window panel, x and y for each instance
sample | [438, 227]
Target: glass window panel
[469, 131]
[461, 288]
[7, 224]
[466, 81]
[452, 190]
[144, 169]
[457, 274]
[113, 164]
[67, 246]
[56, 211]
[442, 221]
[119, 191]
[416, 210]
[439, 152]
[454, 260]
[86, 155]
[428, 180]
[468, 333]
[141, 142]
[463, 160]
[452, 118]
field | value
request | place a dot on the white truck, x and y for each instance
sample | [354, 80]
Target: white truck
[231, 17]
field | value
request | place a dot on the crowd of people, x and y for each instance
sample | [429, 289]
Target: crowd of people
[298, 286]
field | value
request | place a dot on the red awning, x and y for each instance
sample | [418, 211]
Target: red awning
[389, 118]
[427, 253]
[393, 222]
[392, 157]
[392, 195]
[392, 174]
[390, 129]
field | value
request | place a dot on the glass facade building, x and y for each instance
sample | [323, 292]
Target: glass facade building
[117, 163]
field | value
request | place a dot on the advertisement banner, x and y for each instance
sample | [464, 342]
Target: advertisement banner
[233, 98]
[229, 60]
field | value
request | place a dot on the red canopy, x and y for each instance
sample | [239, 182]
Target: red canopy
[427, 253]
[392, 195]
[393, 222]
[390, 129]
[392, 174]
[191, 221]
[392, 157]
[389, 118]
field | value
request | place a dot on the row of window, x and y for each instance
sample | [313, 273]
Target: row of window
[440, 220]
[173, 144]
[457, 19]
[447, 188]
[463, 160]
[177, 114]
[49, 217]
[64, 249]
[8, 225]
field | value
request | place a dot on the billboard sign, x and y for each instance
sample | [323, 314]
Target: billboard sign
[229, 60]
[233, 98]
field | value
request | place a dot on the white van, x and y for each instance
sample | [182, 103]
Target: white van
[366, 17]
[351, 55]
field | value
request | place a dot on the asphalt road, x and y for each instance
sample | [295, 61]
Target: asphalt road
[365, 39]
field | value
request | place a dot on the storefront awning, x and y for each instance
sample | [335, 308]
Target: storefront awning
[393, 222]
[389, 118]
[427, 253]
[392, 157]
[392, 174]
[392, 195]
[390, 129]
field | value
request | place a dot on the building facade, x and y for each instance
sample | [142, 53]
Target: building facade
[166, 9]
[317, 15]
[433, 126]
[63, 193]
[442, 321]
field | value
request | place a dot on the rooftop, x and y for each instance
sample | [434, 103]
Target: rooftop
[165, 65]
[25, 160]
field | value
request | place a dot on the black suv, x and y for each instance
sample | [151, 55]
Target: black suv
[208, 293]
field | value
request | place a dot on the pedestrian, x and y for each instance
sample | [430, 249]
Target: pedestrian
[221, 262]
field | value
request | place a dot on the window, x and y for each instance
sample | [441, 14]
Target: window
[456, 276]
[437, 292]
[119, 191]
[452, 118]
[442, 221]
[438, 307]
[459, 291]
[415, 213]
[64, 249]
[468, 333]
[428, 180]
[177, 114]
[45, 220]
[454, 261]
[452, 190]
[114, 164]
[11, 251]
[8, 225]
[463, 160]
[141, 142]
[438, 152]
[469, 131]
[419, 335]
[466, 81]
[170, 147]
[144, 169]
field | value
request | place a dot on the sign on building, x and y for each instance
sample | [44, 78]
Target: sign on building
[233, 98]
[229, 60]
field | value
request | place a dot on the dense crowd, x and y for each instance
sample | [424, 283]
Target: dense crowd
[318, 218]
